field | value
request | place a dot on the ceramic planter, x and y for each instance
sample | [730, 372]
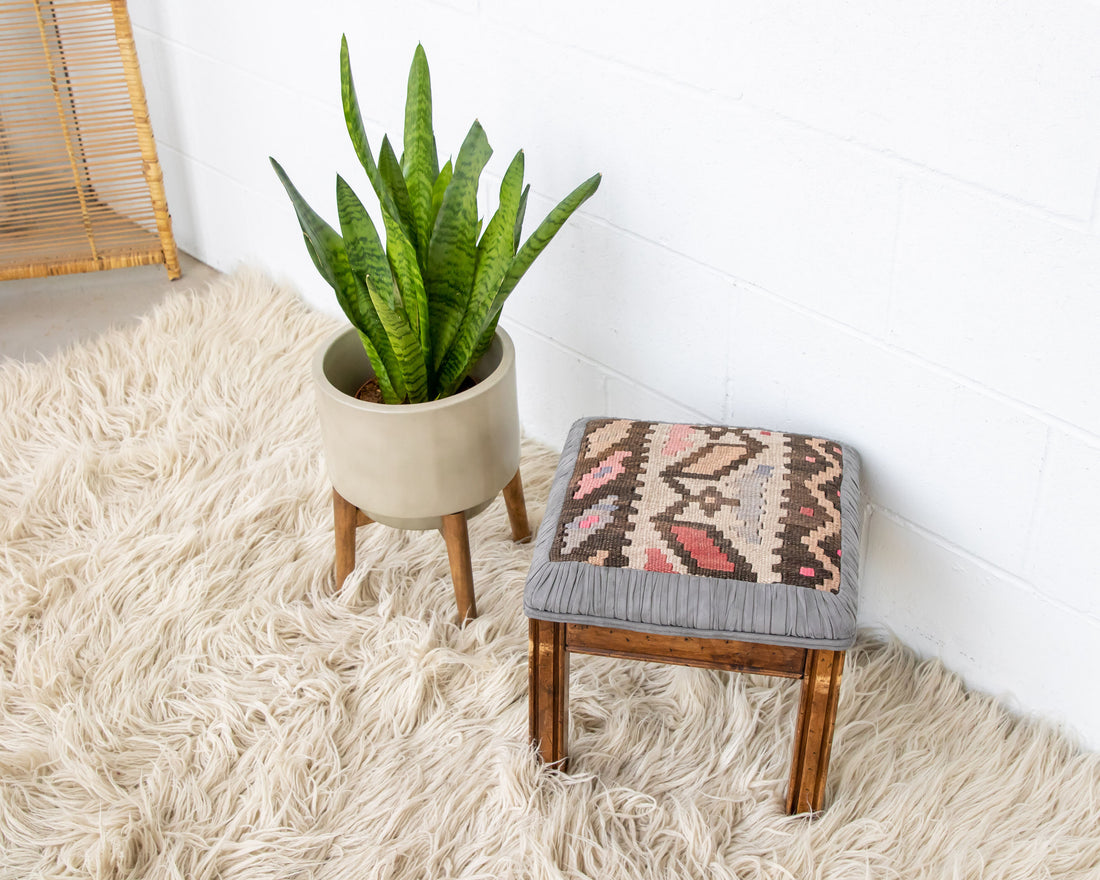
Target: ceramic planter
[409, 465]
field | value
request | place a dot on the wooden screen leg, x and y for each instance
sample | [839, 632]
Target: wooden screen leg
[548, 690]
[813, 737]
[517, 510]
[462, 570]
[345, 516]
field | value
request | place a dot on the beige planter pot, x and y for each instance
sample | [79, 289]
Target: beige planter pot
[408, 466]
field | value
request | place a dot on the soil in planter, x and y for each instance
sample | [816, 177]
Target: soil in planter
[371, 392]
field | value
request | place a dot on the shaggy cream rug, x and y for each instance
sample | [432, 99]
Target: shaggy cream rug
[186, 694]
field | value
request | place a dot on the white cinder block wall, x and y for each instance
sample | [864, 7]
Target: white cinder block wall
[879, 221]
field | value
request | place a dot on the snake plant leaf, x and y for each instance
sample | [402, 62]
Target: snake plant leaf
[545, 232]
[389, 395]
[534, 246]
[419, 160]
[427, 301]
[397, 193]
[519, 219]
[354, 119]
[368, 260]
[494, 256]
[323, 243]
[361, 241]
[354, 298]
[452, 252]
[486, 338]
[317, 264]
[410, 283]
[438, 189]
[406, 345]
[387, 367]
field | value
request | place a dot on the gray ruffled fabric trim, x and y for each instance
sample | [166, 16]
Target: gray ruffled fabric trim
[677, 604]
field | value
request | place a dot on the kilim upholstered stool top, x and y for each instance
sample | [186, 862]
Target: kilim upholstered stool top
[728, 548]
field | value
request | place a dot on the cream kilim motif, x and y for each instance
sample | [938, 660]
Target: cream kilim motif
[751, 505]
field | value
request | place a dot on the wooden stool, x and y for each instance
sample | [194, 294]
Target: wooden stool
[347, 518]
[701, 545]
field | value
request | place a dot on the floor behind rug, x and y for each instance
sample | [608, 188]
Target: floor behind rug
[185, 692]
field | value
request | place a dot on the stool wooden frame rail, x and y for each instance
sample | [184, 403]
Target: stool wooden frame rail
[347, 518]
[819, 670]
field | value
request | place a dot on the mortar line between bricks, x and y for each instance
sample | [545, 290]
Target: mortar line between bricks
[610, 372]
[229, 178]
[977, 561]
[919, 169]
[258, 78]
[1042, 492]
[165, 145]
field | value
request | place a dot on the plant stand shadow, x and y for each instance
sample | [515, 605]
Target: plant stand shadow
[347, 518]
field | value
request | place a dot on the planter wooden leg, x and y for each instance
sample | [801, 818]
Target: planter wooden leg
[462, 571]
[517, 510]
[813, 736]
[548, 690]
[345, 516]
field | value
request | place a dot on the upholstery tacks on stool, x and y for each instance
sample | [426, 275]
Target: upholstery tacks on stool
[703, 545]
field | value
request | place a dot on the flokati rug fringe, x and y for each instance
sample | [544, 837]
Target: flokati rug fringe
[185, 692]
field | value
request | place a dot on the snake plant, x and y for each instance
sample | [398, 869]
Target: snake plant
[426, 303]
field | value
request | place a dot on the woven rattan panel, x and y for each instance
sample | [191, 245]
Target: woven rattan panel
[80, 184]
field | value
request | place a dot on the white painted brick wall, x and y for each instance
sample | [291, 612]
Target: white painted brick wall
[949, 458]
[880, 221]
[1002, 296]
[1001, 95]
[981, 620]
[1062, 558]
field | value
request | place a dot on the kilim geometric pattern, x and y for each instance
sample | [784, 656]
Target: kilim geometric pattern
[751, 505]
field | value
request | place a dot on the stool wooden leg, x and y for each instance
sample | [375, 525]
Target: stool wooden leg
[345, 517]
[517, 509]
[462, 571]
[813, 736]
[548, 690]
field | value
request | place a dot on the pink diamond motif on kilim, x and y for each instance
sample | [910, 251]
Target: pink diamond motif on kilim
[707, 500]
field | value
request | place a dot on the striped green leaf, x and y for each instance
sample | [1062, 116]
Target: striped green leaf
[428, 300]
[354, 119]
[405, 344]
[452, 252]
[530, 250]
[410, 283]
[361, 241]
[542, 236]
[438, 189]
[397, 193]
[486, 338]
[389, 395]
[419, 160]
[317, 264]
[354, 298]
[494, 256]
[383, 356]
[518, 234]
[322, 243]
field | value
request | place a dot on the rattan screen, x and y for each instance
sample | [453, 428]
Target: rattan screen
[80, 184]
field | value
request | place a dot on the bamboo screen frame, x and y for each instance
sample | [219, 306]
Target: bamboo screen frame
[80, 185]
